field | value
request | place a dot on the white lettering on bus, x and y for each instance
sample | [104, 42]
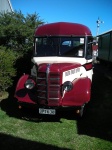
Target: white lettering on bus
[73, 71]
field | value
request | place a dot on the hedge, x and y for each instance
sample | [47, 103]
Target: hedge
[7, 71]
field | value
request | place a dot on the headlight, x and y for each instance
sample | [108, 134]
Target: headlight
[29, 84]
[67, 86]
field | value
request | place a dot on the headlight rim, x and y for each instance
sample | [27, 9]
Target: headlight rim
[31, 81]
[67, 83]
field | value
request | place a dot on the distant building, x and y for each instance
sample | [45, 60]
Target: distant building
[5, 6]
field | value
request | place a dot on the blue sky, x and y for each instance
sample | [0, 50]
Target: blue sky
[80, 11]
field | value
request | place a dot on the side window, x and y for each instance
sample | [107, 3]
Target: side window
[38, 41]
[41, 41]
[89, 51]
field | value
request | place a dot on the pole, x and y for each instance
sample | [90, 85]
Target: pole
[98, 25]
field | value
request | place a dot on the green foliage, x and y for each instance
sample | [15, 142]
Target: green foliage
[7, 71]
[16, 34]
[15, 28]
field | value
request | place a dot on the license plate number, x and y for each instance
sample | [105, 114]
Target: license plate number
[47, 111]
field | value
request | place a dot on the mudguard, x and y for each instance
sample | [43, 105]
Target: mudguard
[21, 93]
[80, 94]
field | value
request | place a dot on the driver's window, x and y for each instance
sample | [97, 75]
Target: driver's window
[89, 51]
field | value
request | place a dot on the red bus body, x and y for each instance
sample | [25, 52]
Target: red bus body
[61, 75]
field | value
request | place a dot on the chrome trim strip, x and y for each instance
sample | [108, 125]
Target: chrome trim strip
[47, 78]
[54, 98]
[42, 84]
[41, 97]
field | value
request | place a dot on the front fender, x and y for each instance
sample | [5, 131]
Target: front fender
[21, 82]
[80, 93]
[23, 94]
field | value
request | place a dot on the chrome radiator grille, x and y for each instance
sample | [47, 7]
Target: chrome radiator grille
[48, 86]
[41, 86]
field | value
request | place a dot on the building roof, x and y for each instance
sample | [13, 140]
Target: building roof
[105, 32]
[5, 6]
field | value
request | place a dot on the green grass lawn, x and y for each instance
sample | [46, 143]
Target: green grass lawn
[61, 132]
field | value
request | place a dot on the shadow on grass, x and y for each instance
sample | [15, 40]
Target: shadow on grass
[8, 142]
[97, 120]
[10, 106]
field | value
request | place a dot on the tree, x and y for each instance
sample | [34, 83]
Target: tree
[16, 39]
[15, 29]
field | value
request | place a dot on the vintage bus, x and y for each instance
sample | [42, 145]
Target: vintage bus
[61, 73]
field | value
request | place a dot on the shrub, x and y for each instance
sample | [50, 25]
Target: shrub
[16, 33]
[7, 71]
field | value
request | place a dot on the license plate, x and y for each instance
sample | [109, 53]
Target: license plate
[47, 111]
